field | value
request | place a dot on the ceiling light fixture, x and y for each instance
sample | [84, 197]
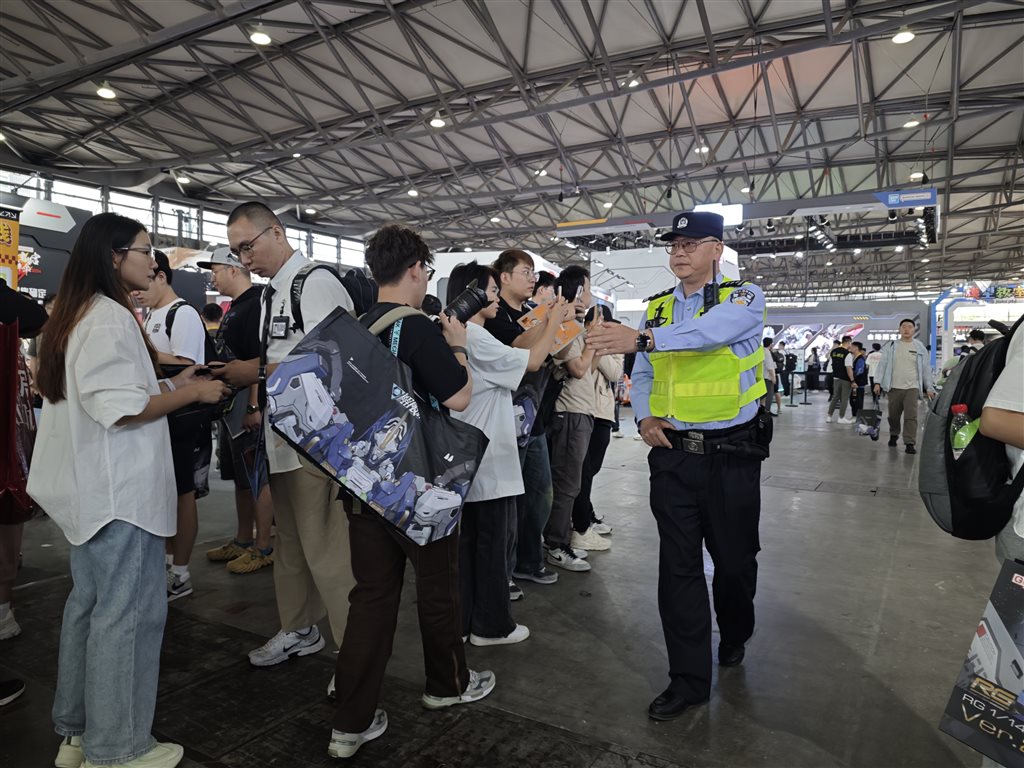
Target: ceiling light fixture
[413, 193]
[745, 190]
[917, 176]
[259, 36]
[437, 121]
[856, 251]
[903, 37]
[799, 254]
[105, 91]
[468, 249]
[769, 226]
[702, 149]
[898, 249]
[182, 179]
[892, 216]
[925, 261]
[911, 123]
[608, 205]
[633, 84]
[828, 263]
[310, 211]
[495, 219]
[3, 137]
[296, 155]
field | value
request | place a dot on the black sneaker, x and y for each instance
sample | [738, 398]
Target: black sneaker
[540, 576]
[515, 592]
[911, 448]
[892, 442]
[10, 690]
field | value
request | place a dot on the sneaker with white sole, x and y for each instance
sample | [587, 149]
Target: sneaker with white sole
[70, 754]
[517, 635]
[514, 592]
[617, 435]
[638, 438]
[11, 690]
[9, 626]
[176, 587]
[590, 541]
[580, 552]
[162, 755]
[601, 529]
[480, 684]
[541, 576]
[567, 560]
[848, 420]
[828, 419]
[347, 744]
[284, 645]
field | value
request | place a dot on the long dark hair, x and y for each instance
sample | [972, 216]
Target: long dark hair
[90, 271]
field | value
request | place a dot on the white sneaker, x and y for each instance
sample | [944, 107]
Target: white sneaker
[580, 552]
[563, 558]
[848, 420]
[590, 540]
[347, 744]
[9, 626]
[177, 587]
[162, 755]
[617, 435]
[638, 438]
[70, 754]
[517, 635]
[828, 419]
[284, 645]
[601, 529]
[480, 684]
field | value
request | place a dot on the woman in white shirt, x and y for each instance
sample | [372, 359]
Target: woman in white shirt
[489, 513]
[102, 471]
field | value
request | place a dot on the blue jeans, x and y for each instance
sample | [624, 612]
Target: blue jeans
[534, 507]
[110, 643]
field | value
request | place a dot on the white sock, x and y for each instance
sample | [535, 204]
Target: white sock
[180, 572]
[169, 559]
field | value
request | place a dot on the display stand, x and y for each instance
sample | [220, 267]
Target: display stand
[792, 389]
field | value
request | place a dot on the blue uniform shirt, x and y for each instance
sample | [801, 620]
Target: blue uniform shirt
[739, 322]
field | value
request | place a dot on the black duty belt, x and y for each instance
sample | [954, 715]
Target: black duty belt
[709, 441]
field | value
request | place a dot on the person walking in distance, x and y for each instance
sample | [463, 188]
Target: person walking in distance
[703, 336]
[904, 373]
[841, 363]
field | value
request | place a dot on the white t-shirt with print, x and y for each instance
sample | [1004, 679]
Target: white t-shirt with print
[1008, 394]
[188, 334]
[496, 370]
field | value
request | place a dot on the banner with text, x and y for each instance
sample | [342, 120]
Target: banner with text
[9, 219]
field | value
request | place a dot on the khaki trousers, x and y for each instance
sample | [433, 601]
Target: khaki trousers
[903, 402]
[312, 561]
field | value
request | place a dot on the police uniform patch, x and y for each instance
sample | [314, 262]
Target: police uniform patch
[742, 296]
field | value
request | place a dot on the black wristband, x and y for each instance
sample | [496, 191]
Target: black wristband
[456, 350]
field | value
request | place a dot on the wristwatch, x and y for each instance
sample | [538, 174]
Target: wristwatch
[644, 343]
[252, 409]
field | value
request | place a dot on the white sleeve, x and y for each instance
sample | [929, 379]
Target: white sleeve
[500, 366]
[322, 293]
[188, 335]
[108, 374]
[1008, 391]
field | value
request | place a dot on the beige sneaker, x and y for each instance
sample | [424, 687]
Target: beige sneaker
[70, 754]
[251, 561]
[590, 540]
[226, 552]
[162, 755]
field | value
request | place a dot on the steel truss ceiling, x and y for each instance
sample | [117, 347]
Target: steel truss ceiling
[555, 110]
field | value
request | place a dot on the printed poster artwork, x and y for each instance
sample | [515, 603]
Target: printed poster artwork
[9, 232]
[986, 708]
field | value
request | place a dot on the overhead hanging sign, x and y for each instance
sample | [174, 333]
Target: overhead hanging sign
[908, 198]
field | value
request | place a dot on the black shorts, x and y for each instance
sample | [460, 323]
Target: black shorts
[232, 465]
[190, 451]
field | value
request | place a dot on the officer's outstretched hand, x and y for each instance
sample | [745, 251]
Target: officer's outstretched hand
[612, 338]
[652, 430]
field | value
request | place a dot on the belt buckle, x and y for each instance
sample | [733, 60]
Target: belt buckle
[693, 442]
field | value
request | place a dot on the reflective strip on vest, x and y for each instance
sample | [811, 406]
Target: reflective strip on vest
[698, 387]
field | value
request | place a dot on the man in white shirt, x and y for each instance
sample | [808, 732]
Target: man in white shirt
[904, 372]
[312, 566]
[1003, 419]
[176, 331]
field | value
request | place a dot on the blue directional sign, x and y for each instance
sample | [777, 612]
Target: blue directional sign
[907, 198]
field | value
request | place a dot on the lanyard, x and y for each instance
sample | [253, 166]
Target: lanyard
[268, 297]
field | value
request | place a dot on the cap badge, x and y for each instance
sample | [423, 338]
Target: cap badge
[682, 223]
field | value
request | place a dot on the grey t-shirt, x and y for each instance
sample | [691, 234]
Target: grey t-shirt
[905, 373]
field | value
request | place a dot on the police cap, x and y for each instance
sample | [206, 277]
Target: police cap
[696, 224]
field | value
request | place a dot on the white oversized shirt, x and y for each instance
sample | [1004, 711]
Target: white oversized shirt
[322, 293]
[188, 334]
[86, 471]
[496, 370]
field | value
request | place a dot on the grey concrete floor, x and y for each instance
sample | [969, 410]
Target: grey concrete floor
[865, 610]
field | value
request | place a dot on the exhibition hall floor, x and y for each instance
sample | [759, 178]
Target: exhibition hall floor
[865, 611]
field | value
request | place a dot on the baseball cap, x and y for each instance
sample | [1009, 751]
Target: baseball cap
[695, 224]
[222, 256]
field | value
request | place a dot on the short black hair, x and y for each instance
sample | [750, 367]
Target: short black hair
[392, 250]
[767, 341]
[908, 320]
[544, 279]
[977, 334]
[464, 274]
[781, 344]
[847, 339]
[212, 312]
[858, 345]
[606, 314]
[509, 259]
[163, 264]
[256, 212]
[876, 346]
[570, 280]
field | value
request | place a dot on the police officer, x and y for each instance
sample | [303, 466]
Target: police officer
[696, 384]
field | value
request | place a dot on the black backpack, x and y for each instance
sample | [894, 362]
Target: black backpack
[360, 288]
[210, 346]
[969, 497]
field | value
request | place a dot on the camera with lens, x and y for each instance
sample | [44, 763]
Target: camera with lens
[467, 303]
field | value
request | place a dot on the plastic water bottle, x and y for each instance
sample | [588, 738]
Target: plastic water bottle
[961, 429]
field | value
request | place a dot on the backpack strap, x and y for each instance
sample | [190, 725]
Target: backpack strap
[169, 321]
[295, 292]
[389, 318]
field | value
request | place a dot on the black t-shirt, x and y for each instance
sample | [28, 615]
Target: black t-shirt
[240, 327]
[505, 325]
[421, 345]
[15, 306]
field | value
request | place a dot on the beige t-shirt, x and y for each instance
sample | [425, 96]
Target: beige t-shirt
[904, 365]
[577, 395]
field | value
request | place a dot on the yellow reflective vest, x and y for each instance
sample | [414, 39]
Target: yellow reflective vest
[704, 386]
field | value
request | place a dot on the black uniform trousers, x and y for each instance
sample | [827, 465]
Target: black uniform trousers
[713, 499]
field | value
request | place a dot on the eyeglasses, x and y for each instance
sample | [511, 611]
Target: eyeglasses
[247, 247]
[688, 247]
[525, 272]
[426, 268]
[145, 251]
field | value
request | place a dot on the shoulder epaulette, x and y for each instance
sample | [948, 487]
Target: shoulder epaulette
[659, 295]
[733, 283]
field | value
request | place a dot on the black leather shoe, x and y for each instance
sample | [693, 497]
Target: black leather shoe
[669, 706]
[892, 442]
[911, 448]
[730, 655]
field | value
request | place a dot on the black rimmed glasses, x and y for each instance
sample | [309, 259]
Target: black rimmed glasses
[677, 246]
[247, 247]
[426, 268]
